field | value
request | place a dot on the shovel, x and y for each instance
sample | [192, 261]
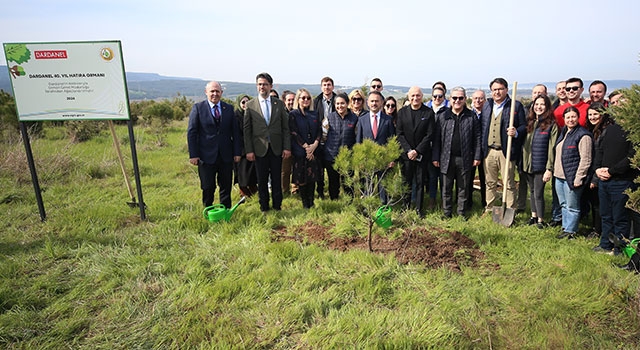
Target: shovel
[502, 214]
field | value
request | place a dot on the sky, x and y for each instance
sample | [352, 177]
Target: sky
[411, 42]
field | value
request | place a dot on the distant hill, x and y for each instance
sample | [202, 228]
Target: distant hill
[155, 86]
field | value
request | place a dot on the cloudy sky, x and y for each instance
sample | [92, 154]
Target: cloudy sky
[411, 42]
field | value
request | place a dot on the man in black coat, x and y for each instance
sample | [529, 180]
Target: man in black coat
[213, 137]
[456, 150]
[415, 129]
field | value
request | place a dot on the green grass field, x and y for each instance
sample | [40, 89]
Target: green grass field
[94, 276]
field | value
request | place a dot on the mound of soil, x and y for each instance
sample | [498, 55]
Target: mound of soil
[432, 247]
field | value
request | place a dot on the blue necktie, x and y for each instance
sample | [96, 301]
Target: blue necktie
[267, 116]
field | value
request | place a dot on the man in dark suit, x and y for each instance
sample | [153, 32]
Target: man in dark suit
[375, 124]
[415, 128]
[267, 140]
[213, 136]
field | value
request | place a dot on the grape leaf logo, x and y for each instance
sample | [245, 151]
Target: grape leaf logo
[19, 54]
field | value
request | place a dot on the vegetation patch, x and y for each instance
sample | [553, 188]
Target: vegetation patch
[432, 247]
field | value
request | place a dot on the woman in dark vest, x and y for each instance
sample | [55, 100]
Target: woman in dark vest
[614, 174]
[306, 131]
[538, 155]
[571, 169]
[342, 132]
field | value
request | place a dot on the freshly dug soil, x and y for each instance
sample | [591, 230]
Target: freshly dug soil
[432, 247]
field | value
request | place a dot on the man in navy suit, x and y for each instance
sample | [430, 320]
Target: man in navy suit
[375, 125]
[213, 136]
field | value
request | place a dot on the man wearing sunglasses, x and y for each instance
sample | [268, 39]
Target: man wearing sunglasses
[574, 89]
[456, 151]
[376, 85]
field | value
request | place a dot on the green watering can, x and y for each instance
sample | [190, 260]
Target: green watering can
[627, 247]
[219, 212]
[383, 217]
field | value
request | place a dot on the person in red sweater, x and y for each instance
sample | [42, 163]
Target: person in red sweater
[574, 89]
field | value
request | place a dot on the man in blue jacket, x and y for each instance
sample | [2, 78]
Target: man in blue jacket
[213, 136]
[495, 133]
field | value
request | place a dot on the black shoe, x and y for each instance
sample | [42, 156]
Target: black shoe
[555, 223]
[541, 225]
[532, 221]
[567, 235]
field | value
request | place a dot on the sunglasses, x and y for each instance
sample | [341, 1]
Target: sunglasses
[390, 106]
[376, 86]
[574, 88]
[305, 98]
[243, 102]
[457, 98]
[356, 99]
[438, 96]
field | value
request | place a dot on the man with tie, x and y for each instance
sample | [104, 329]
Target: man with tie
[267, 140]
[377, 126]
[213, 137]
[415, 128]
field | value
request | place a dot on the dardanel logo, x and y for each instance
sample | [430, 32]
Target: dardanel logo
[50, 54]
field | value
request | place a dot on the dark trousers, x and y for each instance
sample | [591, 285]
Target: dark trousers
[269, 165]
[483, 187]
[522, 191]
[536, 185]
[615, 218]
[412, 171]
[335, 180]
[455, 174]
[322, 165]
[208, 173]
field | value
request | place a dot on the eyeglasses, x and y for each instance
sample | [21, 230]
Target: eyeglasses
[356, 99]
[456, 98]
[497, 89]
[438, 96]
[390, 106]
[376, 86]
[569, 88]
[305, 98]
[243, 102]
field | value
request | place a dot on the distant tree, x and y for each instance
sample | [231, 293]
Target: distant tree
[365, 168]
[158, 116]
[181, 107]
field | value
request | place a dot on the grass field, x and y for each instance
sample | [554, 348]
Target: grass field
[94, 276]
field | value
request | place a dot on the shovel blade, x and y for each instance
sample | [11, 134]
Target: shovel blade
[509, 215]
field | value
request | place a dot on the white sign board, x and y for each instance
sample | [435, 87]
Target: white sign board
[68, 81]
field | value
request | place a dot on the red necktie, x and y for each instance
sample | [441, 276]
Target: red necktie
[375, 126]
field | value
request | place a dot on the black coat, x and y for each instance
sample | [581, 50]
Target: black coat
[469, 139]
[416, 133]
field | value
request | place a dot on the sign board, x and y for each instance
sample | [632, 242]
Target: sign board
[68, 80]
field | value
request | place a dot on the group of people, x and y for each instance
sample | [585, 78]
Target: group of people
[288, 142]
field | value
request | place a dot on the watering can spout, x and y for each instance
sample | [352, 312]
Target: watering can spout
[230, 211]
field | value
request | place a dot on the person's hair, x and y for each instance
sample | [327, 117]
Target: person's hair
[571, 109]
[575, 80]
[326, 79]
[286, 93]
[547, 119]
[375, 93]
[460, 88]
[301, 91]
[439, 83]
[614, 93]
[342, 95]
[274, 91]
[596, 82]
[353, 94]
[500, 81]
[376, 79]
[433, 91]
[395, 111]
[265, 76]
[544, 86]
[605, 119]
